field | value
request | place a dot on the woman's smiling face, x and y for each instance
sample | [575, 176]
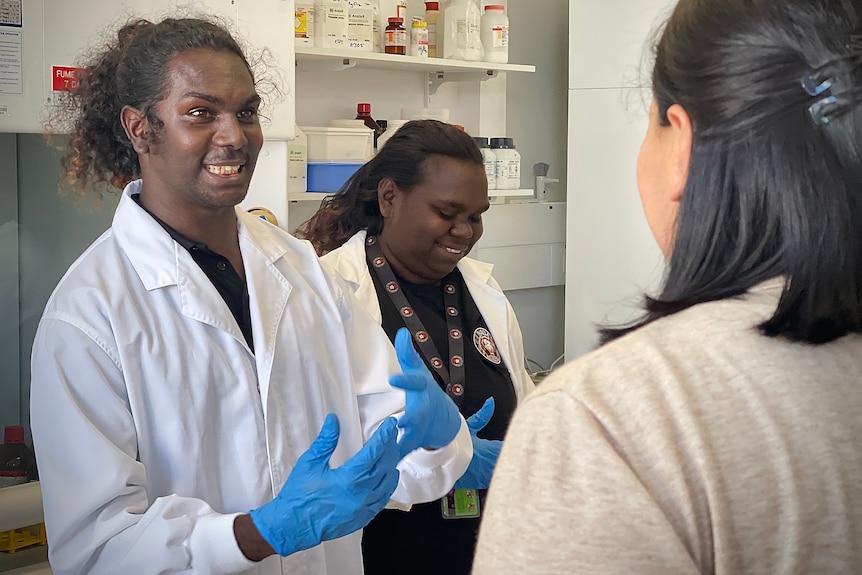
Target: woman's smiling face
[427, 230]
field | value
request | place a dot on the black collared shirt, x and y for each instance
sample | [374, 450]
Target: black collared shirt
[218, 269]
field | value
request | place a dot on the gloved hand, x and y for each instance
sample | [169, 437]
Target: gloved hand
[485, 451]
[430, 417]
[318, 503]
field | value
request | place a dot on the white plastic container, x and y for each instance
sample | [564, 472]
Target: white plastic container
[360, 26]
[331, 23]
[303, 24]
[490, 159]
[441, 114]
[336, 144]
[508, 163]
[297, 163]
[391, 128]
[461, 35]
[356, 124]
[495, 33]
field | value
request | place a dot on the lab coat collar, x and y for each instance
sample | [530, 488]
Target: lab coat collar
[160, 261]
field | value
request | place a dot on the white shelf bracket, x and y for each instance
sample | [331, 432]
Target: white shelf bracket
[437, 79]
[334, 65]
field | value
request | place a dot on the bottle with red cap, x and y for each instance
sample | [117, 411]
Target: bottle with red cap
[17, 460]
[495, 33]
[363, 112]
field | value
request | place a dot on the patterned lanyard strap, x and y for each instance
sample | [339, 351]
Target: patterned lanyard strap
[454, 375]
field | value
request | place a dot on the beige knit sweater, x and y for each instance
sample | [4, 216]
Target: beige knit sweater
[693, 445]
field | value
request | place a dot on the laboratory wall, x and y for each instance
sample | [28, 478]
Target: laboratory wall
[10, 393]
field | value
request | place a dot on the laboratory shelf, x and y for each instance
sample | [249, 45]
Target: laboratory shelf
[324, 59]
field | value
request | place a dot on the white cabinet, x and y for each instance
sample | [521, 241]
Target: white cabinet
[611, 256]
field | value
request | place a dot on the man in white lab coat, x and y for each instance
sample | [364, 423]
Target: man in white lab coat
[187, 360]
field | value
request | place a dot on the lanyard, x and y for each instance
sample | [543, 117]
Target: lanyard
[454, 375]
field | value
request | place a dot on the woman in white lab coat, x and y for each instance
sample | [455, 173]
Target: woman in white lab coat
[188, 365]
[720, 433]
[399, 232]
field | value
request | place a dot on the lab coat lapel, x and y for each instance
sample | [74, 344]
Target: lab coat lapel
[268, 292]
[490, 301]
[160, 262]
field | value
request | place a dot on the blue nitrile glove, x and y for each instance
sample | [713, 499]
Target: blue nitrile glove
[430, 417]
[485, 451]
[318, 503]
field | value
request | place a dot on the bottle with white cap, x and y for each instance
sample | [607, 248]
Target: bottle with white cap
[490, 159]
[508, 163]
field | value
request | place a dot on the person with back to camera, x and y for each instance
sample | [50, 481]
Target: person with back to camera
[721, 433]
[204, 395]
[399, 232]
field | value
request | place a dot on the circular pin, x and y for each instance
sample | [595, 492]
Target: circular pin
[457, 360]
[452, 311]
[379, 262]
[436, 362]
[450, 289]
[371, 240]
[392, 287]
[455, 334]
[407, 311]
[458, 390]
[421, 336]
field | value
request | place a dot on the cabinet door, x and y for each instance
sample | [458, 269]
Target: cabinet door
[611, 256]
[609, 40]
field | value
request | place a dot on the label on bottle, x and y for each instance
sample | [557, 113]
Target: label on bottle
[396, 38]
[303, 24]
[360, 29]
[419, 43]
[500, 36]
[331, 24]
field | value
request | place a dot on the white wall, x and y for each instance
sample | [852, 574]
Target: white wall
[611, 256]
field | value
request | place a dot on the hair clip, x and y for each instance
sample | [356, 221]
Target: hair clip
[810, 85]
[819, 109]
[818, 114]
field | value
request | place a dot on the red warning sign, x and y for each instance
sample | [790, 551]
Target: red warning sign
[64, 78]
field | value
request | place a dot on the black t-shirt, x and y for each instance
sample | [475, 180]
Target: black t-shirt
[422, 541]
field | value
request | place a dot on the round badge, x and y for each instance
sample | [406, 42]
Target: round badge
[421, 336]
[407, 311]
[371, 240]
[455, 334]
[436, 362]
[485, 345]
[450, 289]
[458, 389]
[379, 262]
[452, 311]
[392, 287]
[457, 360]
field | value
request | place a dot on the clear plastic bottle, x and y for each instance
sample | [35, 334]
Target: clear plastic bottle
[461, 36]
[508, 163]
[490, 159]
[432, 14]
[495, 33]
[419, 39]
[396, 37]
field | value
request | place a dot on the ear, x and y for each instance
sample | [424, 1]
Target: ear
[680, 125]
[136, 127]
[387, 189]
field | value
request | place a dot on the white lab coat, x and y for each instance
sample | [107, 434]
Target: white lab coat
[154, 424]
[348, 263]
